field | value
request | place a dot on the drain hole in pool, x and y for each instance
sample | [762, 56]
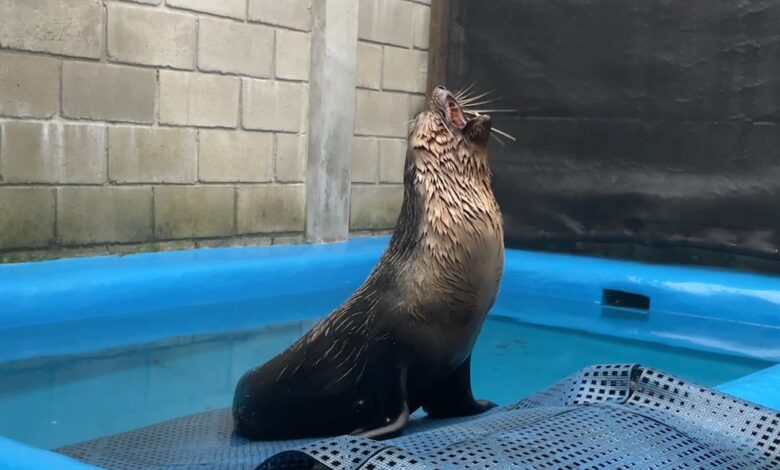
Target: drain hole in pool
[617, 303]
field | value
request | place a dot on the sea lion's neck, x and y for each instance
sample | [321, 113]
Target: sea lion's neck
[459, 211]
[448, 208]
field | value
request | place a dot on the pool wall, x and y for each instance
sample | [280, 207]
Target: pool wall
[78, 305]
[706, 309]
[17, 456]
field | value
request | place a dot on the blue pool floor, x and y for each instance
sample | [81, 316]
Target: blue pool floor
[58, 401]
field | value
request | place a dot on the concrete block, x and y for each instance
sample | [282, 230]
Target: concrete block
[291, 151]
[422, 26]
[271, 208]
[288, 240]
[365, 160]
[66, 27]
[198, 99]
[274, 105]
[405, 70]
[152, 155]
[52, 152]
[108, 92]
[237, 156]
[104, 214]
[375, 207]
[293, 54]
[229, 8]
[193, 211]
[227, 46]
[381, 113]
[386, 21]
[369, 65]
[29, 86]
[234, 242]
[41, 254]
[417, 104]
[392, 155]
[151, 37]
[26, 217]
[295, 14]
[151, 247]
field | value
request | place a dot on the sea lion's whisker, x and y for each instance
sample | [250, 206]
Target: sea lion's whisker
[462, 92]
[502, 133]
[497, 131]
[480, 96]
[485, 111]
[476, 103]
[498, 139]
[468, 91]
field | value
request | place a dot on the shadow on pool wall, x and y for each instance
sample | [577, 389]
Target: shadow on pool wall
[646, 129]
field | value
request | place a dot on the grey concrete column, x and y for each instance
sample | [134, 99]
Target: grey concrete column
[331, 119]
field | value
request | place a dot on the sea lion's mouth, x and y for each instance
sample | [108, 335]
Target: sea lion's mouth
[455, 114]
[447, 106]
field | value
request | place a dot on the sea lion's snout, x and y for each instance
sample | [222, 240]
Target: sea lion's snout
[478, 129]
[482, 121]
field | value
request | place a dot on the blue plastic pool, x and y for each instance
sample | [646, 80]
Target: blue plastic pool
[43, 402]
[168, 334]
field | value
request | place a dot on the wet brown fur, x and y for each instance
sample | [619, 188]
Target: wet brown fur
[406, 335]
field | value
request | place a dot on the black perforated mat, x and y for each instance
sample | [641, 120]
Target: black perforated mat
[604, 417]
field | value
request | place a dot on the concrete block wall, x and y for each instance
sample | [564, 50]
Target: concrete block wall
[392, 62]
[139, 125]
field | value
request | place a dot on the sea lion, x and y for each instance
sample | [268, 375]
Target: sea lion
[403, 340]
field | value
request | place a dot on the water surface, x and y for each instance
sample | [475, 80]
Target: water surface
[50, 402]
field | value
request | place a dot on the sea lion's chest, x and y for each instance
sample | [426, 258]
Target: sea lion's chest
[457, 272]
[463, 233]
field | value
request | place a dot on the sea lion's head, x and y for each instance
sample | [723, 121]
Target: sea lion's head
[444, 104]
[445, 127]
[440, 125]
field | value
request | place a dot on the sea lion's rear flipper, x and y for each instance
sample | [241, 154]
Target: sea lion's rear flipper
[452, 397]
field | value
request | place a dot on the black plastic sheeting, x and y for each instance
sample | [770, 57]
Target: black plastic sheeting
[646, 129]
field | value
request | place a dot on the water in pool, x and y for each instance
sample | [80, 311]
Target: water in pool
[56, 401]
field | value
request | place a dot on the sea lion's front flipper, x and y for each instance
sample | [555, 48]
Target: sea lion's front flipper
[451, 396]
[393, 410]
[391, 429]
